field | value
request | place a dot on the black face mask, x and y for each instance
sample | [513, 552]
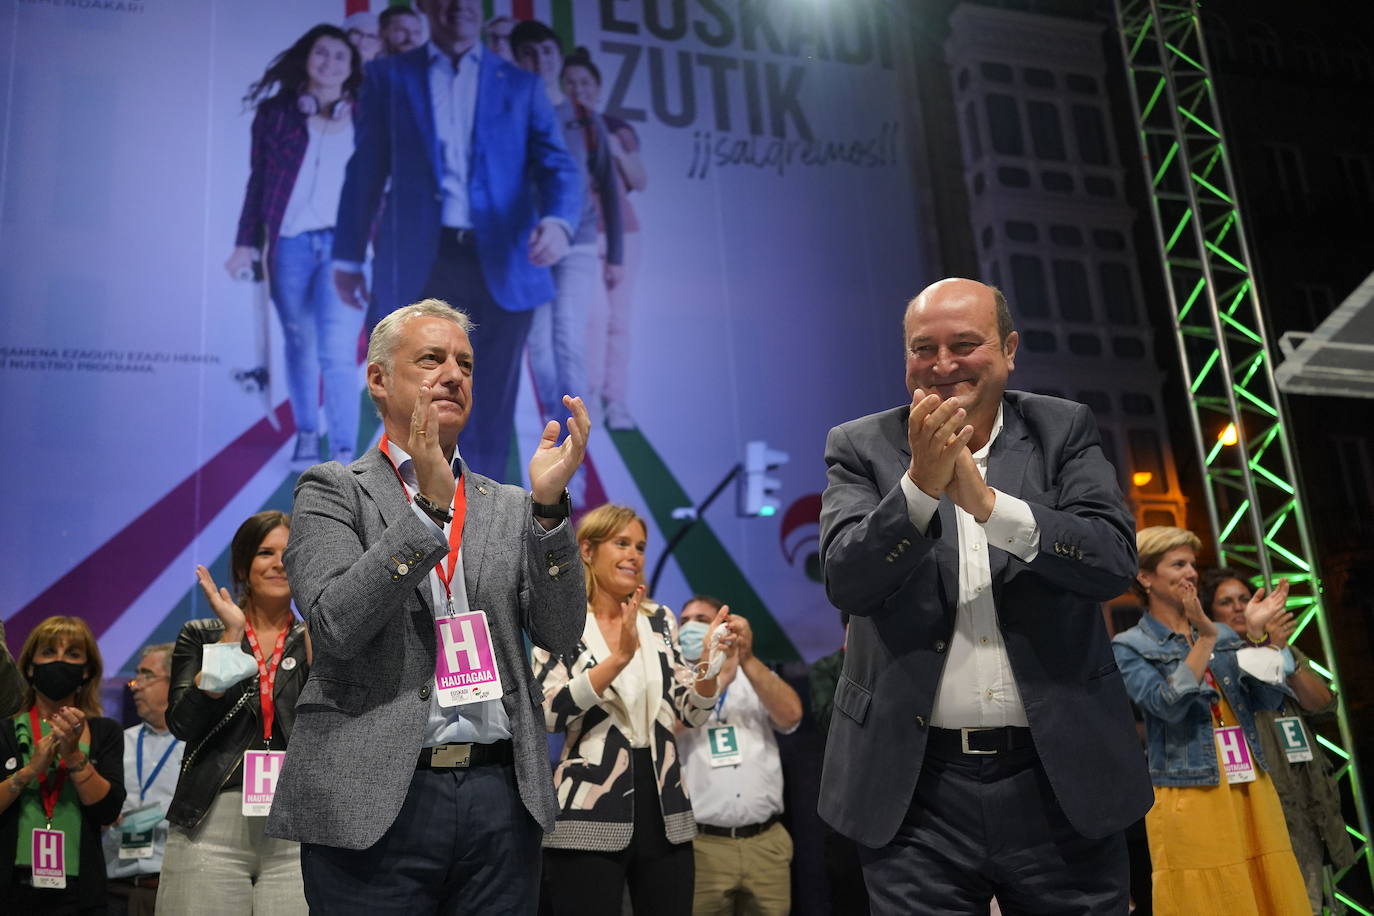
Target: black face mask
[58, 680]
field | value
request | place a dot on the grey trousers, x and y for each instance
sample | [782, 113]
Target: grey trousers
[227, 866]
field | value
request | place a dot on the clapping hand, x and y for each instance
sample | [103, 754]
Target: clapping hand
[229, 613]
[67, 725]
[1192, 609]
[936, 433]
[1263, 608]
[554, 464]
[627, 637]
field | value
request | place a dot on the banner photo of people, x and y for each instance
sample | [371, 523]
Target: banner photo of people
[691, 215]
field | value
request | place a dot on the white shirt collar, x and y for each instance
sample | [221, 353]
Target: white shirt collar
[438, 55]
[405, 465]
[981, 456]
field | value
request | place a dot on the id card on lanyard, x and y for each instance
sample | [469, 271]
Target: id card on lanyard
[260, 768]
[465, 659]
[1233, 753]
[137, 825]
[49, 845]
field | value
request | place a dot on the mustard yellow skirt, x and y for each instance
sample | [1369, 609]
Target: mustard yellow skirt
[1223, 851]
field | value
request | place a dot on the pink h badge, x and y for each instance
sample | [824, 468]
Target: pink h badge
[260, 771]
[1235, 754]
[49, 859]
[465, 664]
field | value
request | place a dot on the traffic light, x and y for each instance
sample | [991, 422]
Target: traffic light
[756, 488]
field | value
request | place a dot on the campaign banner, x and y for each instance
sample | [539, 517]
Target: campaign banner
[181, 181]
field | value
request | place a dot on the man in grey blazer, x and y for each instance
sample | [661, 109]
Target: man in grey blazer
[981, 742]
[403, 802]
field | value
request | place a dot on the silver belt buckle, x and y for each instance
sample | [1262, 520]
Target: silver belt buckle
[451, 755]
[963, 739]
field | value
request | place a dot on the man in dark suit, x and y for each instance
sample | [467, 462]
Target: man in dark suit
[981, 742]
[483, 198]
[410, 795]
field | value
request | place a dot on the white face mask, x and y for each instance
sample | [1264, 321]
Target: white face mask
[223, 665]
[691, 636]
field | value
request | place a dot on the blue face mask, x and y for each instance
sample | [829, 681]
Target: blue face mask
[691, 636]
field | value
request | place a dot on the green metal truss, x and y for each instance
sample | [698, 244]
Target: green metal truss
[1253, 494]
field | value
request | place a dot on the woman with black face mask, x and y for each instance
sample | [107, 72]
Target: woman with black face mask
[63, 764]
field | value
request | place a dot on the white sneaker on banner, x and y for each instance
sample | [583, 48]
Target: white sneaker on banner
[618, 416]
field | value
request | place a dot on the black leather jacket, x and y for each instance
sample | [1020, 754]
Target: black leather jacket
[218, 731]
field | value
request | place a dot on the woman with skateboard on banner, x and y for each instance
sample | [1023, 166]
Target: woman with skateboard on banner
[235, 681]
[302, 140]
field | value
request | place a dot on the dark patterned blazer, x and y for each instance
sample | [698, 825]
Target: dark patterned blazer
[594, 779]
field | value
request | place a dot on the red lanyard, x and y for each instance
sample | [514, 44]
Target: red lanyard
[1212, 682]
[267, 676]
[49, 796]
[455, 528]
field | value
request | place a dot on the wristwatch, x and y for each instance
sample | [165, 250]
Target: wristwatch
[440, 514]
[560, 509]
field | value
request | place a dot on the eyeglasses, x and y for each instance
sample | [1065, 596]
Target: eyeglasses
[145, 678]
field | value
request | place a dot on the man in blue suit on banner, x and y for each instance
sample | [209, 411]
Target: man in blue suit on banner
[482, 199]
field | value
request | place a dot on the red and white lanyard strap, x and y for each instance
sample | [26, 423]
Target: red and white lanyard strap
[267, 676]
[455, 529]
[1216, 707]
[47, 793]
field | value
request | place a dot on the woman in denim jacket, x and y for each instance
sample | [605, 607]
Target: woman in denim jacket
[1217, 844]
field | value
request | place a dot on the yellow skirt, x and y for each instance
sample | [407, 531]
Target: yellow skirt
[1223, 851]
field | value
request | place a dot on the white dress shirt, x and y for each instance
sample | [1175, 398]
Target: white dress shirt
[749, 792]
[483, 722]
[314, 201]
[977, 687]
[453, 93]
[155, 744]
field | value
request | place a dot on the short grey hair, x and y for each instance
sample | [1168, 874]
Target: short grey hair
[381, 345]
[163, 647]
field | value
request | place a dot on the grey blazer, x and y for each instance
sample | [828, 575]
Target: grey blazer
[901, 589]
[359, 561]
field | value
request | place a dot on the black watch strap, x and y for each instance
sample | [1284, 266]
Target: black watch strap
[439, 513]
[560, 509]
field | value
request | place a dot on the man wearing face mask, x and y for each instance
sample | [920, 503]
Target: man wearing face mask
[734, 777]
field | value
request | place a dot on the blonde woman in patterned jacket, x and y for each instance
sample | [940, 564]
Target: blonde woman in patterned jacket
[624, 813]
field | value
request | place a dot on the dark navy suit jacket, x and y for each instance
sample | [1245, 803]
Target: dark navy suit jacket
[519, 172]
[901, 589]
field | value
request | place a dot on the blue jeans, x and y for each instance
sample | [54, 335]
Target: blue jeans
[321, 337]
[558, 335]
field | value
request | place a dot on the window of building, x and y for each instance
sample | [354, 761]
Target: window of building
[1091, 132]
[1109, 240]
[988, 236]
[1058, 182]
[1099, 186]
[1098, 401]
[1263, 44]
[963, 78]
[1147, 457]
[1287, 175]
[1071, 289]
[1066, 235]
[979, 183]
[1356, 176]
[1011, 176]
[1128, 347]
[1137, 405]
[1118, 297]
[1079, 82]
[975, 143]
[1353, 462]
[1316, 303]
[1022, 231]
[1039, 341]
[995, 72]
[1028, 286]
[1085, 345]
[1004, 125]
[1047, 136]
[1154, 517]
[1038, 77]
